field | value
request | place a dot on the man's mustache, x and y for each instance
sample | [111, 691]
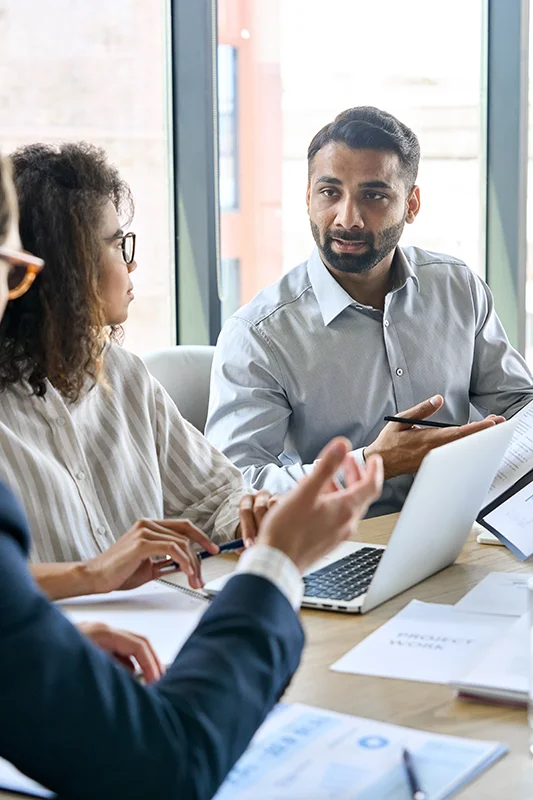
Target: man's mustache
[346, 236]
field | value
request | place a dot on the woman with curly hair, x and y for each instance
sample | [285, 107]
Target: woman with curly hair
[108, 471]
[72, 717]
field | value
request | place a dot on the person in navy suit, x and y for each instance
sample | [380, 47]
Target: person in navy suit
[75, 720]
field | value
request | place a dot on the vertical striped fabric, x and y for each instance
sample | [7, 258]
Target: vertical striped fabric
[86, 471]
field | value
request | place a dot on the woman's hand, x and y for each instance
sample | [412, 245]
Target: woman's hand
[128, 563]
[252, 510]
[128, 649]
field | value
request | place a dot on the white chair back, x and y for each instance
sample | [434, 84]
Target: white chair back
[185, 372]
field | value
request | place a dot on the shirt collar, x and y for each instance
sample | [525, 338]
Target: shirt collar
[332, 299]
[403, 271]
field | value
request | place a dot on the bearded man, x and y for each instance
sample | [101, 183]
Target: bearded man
[362, 330]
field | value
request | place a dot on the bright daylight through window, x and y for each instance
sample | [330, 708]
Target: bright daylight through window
[297, 67]
[98, 71]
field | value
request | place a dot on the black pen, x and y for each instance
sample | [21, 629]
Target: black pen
[235, 544]
[425, 422]
[416, 790]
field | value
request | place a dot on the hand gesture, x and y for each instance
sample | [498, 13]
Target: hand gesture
[402, 446]
[313, 518]
[129, 562]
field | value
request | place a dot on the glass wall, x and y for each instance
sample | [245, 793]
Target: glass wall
[297, 67]
[529, 275]
[99, 71]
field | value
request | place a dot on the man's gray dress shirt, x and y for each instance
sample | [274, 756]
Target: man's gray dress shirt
[304, 362]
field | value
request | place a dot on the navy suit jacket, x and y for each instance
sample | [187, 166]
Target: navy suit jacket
[77, 722]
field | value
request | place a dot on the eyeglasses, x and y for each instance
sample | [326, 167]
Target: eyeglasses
[127, 245]
[24, 268]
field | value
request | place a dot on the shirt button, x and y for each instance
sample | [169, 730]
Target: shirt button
[80, 475]
[399, 372]
[100, 530]
[60, 421]
[386, 323]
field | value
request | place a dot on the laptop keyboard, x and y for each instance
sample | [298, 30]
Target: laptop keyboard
[345, 579]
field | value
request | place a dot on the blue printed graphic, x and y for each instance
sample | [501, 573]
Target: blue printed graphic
[373, 742]
[268, 754]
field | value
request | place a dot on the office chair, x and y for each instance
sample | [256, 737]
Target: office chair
[184, 371]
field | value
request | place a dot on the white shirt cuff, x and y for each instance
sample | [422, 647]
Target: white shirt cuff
[358, 455]
[276, 567]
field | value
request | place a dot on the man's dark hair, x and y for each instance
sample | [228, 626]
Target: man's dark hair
[369, 128]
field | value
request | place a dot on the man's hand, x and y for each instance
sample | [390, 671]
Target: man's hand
[127, 648]
[128, 563]
[402, 446]
[252, 510]
[312, 519]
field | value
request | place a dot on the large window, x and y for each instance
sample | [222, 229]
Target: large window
[227, 127]
[98, 71]
[298, 66]
[529, 226]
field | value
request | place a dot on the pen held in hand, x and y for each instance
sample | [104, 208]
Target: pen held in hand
[236, 544]
[424, 422]
[417, 793]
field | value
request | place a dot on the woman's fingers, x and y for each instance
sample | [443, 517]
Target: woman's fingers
[182, 527]
[182, 554]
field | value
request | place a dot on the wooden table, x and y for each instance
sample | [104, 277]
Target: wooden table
[426, 706]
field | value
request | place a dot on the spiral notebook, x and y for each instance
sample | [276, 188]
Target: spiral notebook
[165, 613]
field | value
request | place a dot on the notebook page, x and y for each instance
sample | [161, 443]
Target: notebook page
[166, 616]
[518, 458]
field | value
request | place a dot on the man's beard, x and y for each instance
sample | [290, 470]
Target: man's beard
[356, 263]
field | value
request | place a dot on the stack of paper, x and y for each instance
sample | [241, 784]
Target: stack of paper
[499, 594]
[501, 671]
[424, 642]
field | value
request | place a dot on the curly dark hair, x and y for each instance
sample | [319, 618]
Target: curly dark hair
[56, 330]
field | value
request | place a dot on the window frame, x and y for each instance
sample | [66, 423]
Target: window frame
[195, 154]
[197, 210]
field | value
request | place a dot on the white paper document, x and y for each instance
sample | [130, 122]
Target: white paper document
[166, 616]
[501, 671]
[305, 753]
[503, 593]
[518, 458]
[14, 781]
[513, 520]
[424, 642]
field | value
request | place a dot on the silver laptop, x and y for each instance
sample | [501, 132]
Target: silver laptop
[443, 503]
